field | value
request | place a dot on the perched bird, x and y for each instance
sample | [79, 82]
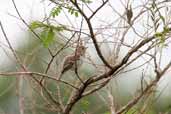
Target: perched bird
[129, 14]
[74, 59]
[68, 63]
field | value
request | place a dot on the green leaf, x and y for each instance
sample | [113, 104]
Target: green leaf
[36, 24]
[158, 34]
[166, 30]
[47, 37]
[72, 11]
[69, 9]
[56, 11]
[162, 18]
[76, 14]
[162, 39]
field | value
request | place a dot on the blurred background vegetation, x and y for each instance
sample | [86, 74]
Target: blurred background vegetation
[35, 57]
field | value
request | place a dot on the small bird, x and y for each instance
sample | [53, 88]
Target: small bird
[129, 14]
[70, 60]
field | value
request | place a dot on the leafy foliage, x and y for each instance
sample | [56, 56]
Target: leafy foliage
[56, 11]
[161, 35]
[36, 24]
[72, 11]
[48, 31]
[47, 37]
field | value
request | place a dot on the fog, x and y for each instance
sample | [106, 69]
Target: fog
[34, 10]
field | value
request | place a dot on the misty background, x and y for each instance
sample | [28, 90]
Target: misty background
[32, 10]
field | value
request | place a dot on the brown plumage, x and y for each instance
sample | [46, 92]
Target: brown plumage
[70, 60]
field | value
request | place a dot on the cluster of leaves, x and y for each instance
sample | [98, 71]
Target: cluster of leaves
[57, 10]
[161, 35]
[48, 31]
[71, 10]
[47, 34]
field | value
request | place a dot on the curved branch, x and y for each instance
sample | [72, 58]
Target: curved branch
[38, 74]
[124, 61]
[92, 34]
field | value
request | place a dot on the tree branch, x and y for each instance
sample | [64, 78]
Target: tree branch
[92, 35]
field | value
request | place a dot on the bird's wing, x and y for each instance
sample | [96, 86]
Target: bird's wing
[68, 63]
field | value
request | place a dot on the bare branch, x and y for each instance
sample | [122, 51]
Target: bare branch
[92, 34]
[38, 74]
[100, 7]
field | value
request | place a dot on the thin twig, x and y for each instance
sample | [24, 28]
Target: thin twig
[92, 34]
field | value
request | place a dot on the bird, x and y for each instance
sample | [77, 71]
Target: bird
[70, 61]
[129, 14]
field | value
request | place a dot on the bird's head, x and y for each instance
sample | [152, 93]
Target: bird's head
[81, 50]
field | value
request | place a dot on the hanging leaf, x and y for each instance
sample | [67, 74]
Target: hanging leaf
[72, 11]
[162, 18]
[76, 14]
[47, 37]
[36, 24]
[56, 11]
